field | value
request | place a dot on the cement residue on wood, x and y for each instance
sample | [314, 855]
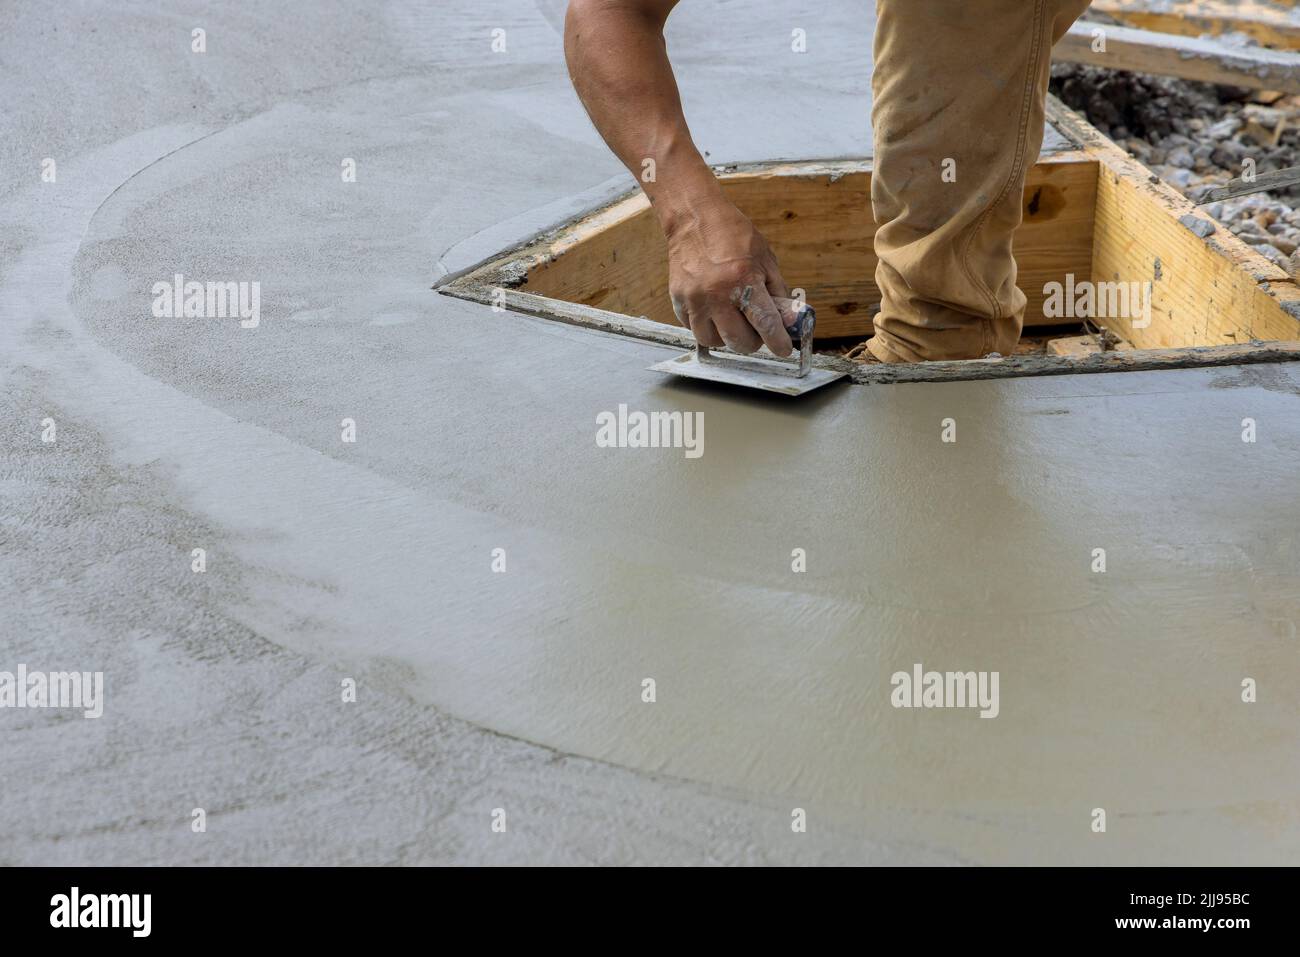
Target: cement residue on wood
[1198, 136]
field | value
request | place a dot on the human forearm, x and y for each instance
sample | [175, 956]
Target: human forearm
[619, 65]
[721, 274]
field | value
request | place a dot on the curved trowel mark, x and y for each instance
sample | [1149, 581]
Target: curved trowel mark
[36, 289]
[346, 565]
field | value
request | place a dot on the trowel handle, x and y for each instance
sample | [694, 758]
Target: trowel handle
[804, 318]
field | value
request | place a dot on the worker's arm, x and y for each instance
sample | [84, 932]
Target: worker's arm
[619, 65]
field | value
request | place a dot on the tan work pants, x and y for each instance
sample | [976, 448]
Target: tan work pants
[959, 93]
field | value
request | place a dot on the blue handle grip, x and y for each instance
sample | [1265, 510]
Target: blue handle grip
[805, 319]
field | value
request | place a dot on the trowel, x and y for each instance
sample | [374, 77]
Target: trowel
[762, 370]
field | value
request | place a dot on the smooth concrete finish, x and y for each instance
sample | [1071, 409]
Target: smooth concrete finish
[476, 431]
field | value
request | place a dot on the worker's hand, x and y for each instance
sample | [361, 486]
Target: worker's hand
[714, 256]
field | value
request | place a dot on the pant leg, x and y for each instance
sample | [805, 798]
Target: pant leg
[963, 81]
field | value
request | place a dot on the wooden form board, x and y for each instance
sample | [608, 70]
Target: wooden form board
[1215, 301]
[1012, 367]
[1272, 22]
[817, 218]
[1187, 57]
[1204, 290]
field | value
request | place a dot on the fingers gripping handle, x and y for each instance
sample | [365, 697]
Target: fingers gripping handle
[796, 315]
[799, 320]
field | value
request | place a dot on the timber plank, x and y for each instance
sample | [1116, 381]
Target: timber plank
[819, 223]
[1271, 23]
[1205, 291]
[1187, 57]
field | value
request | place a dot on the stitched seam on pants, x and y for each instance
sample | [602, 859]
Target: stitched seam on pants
[1031, 82]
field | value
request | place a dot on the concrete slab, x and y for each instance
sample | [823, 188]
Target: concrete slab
[372, 560]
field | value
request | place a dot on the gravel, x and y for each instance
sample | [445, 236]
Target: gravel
[1196, 136]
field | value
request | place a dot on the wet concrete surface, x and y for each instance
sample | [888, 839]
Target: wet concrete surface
[475, 431]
